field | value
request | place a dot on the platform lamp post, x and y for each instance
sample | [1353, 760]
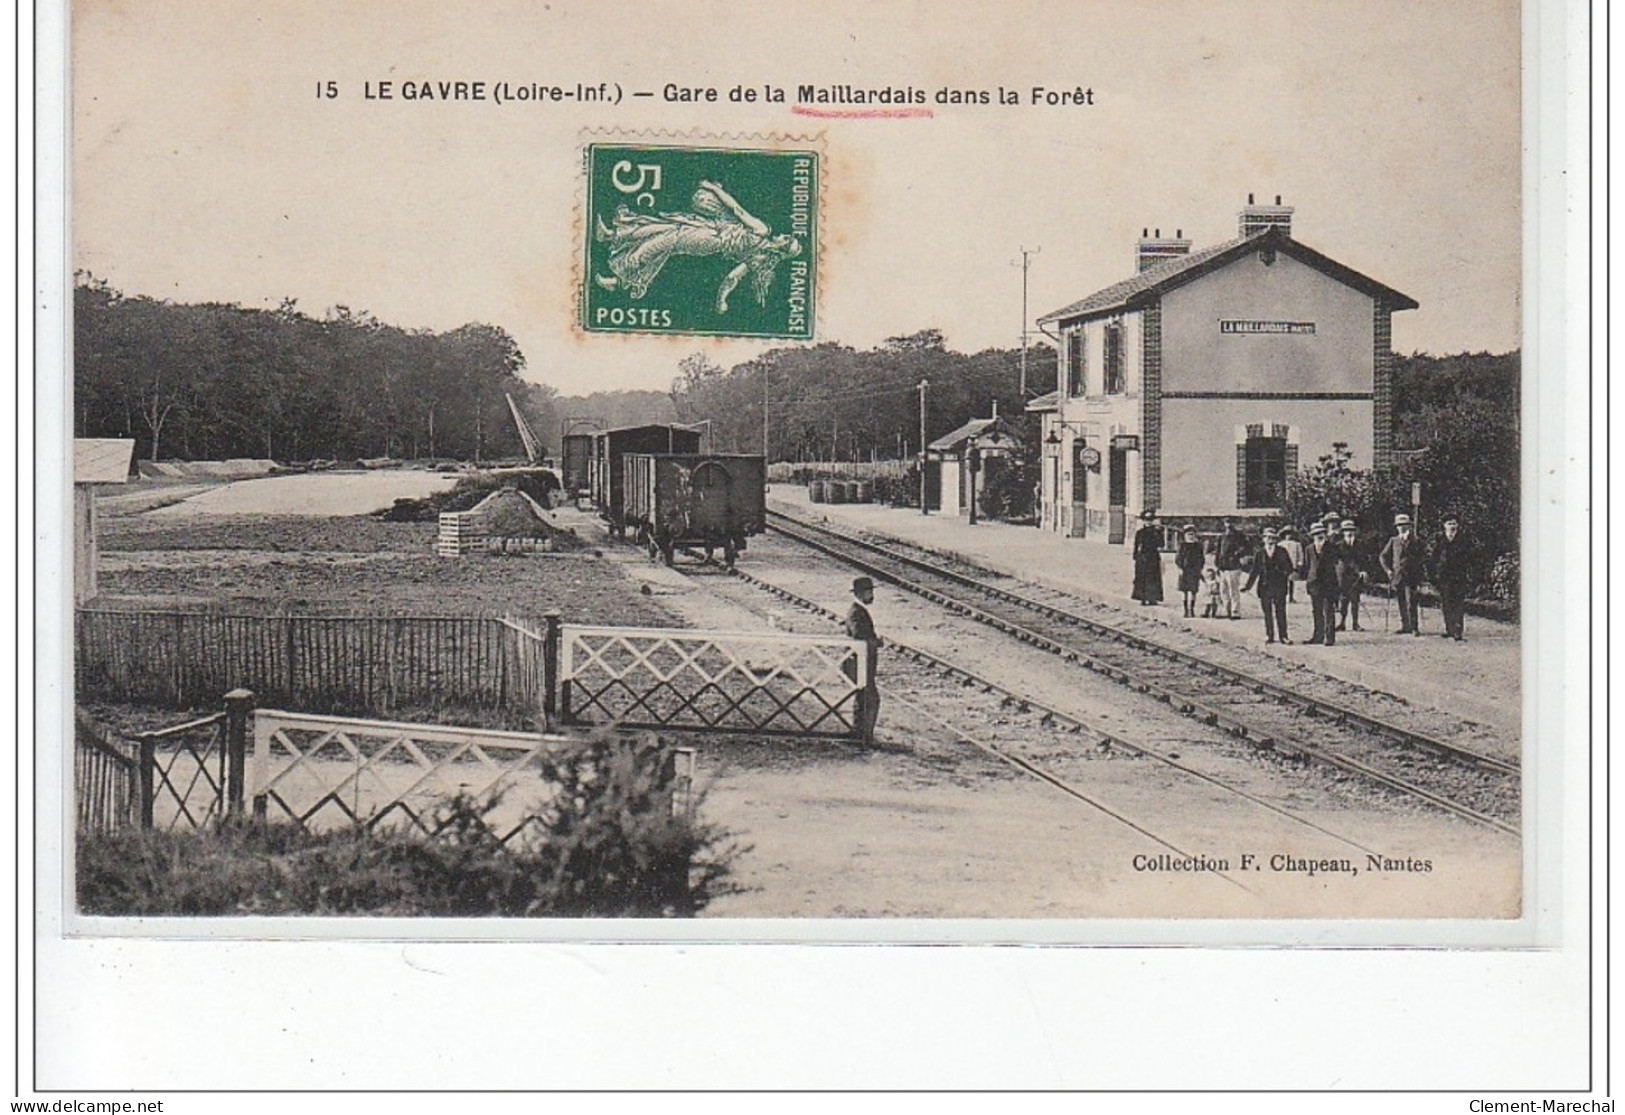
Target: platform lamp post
[973, 465]
[924, 383]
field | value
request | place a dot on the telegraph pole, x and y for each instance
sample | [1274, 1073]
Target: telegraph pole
[764, 416]
[1026, 262]
[924, 383]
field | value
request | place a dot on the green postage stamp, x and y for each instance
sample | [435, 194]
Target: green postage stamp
[701, 240]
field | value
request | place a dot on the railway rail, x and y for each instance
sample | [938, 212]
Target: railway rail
[1271, 716]
[1042, 717]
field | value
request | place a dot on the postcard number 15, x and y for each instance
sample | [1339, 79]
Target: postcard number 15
[644, 185]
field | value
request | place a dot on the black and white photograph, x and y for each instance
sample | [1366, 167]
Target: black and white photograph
[569, 472]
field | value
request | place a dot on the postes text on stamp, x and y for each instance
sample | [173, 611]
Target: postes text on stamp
[700, 240]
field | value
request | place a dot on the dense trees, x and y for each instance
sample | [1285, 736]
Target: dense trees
[1456, 429]
[213, 381]
[834, 402]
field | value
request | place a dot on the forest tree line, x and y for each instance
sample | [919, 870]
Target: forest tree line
[213, 381]
[832, 402]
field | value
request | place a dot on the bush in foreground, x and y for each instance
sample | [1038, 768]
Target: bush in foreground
[609, 844]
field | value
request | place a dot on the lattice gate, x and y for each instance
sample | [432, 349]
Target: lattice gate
[769, 683]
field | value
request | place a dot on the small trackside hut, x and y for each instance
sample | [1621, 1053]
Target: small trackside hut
[714, 500]
[608, 466]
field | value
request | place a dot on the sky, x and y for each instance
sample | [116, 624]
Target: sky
[206, 167]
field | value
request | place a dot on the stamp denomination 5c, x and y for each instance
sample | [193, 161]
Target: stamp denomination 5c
[700, 240]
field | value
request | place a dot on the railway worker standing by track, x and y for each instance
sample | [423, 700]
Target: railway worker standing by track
[1272, 572]
[860, 625]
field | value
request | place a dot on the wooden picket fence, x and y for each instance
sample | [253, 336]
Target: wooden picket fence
[330, 663]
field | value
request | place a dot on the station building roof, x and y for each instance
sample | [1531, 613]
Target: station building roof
[1141, 289]
[994, 429]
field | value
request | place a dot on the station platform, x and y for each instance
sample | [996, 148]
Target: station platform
[1479, 679]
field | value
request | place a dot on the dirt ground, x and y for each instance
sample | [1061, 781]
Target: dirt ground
[926, 826]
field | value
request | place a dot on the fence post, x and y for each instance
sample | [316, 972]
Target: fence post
[550, 670]
[239, 703]
[149, 758]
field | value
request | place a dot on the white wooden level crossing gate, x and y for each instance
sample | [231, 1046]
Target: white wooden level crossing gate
[765, 683]
[326, 772]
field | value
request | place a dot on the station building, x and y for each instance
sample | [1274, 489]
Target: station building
[1196, 386]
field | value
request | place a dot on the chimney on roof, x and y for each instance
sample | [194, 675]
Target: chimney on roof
[1154, 248]
[1262, 218]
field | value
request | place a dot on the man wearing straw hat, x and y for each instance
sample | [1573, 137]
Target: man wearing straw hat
[860, 625]
[1401, 561]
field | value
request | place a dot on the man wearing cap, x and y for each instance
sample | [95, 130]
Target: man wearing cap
[1232, 545]
[861, 626]
[1401, 559]
[1350, 577]
[1272, 571]
[1320, 576]
[1452, 576]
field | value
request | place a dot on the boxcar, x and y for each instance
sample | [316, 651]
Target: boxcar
[577, 453]
[715, 500]
[609, 449]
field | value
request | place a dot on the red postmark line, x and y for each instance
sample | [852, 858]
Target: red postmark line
[863, 113]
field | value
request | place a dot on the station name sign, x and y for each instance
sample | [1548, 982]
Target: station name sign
[1233, 326]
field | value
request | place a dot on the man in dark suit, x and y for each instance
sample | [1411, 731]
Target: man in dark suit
[1272, 572]
[1452, 576]
[1351, 576]
[1401, 561]
[861, 626]
[1320, 577]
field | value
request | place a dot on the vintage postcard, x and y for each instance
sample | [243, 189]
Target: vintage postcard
[1041, 473]
[1054, 479]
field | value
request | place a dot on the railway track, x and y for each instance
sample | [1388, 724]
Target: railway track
[1269, 715]
[1011, 744]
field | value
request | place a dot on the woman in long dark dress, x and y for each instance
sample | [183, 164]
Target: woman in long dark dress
[1148, 560]
[1188, 559]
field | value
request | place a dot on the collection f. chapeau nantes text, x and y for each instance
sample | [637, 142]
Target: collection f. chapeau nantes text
[1281, 863]
[612, 93]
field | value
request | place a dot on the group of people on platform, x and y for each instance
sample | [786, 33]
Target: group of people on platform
[1332, 565]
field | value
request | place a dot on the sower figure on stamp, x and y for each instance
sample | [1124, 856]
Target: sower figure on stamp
[1272, 572]
[640, 244]
[861, 626]
[1401, 561]
[1452, 576]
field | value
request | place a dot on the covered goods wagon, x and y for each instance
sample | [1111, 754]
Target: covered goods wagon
[715, 500]
[608, 468]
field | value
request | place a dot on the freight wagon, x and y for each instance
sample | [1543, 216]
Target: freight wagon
[715, 500]
[609, 450]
